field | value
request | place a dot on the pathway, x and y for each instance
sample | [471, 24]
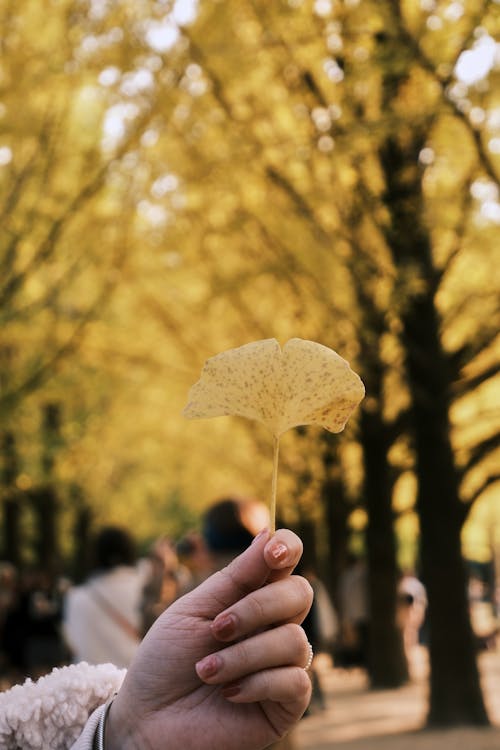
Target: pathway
[357, 718]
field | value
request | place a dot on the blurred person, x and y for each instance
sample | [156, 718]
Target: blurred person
[412, 606]
[194, 556]
[167, 580]
[15, 628]
[9, 582]
[32, 637]
[229, 525]
[321, 626]
[223, 667]
[45, 647]
[102, 617]
[482, 613]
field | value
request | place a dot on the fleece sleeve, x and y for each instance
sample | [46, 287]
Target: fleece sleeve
[59, 709]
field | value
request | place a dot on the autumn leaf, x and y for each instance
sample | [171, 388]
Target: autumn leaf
[303, 383]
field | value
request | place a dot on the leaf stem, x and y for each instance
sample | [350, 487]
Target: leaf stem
[274, 484]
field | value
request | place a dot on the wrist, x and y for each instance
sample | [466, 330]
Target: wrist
[121, 730]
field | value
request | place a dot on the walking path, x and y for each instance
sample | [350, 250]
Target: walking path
[357, 718]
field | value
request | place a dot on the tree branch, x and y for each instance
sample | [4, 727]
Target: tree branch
[460, 231]
[462, 306]
[467, 384]
[479, 452]
[42, 372]
[49, 243]
[466, 353]
[413, 44]
[488, 482]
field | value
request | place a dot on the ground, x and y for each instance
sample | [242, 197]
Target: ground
[357, 718]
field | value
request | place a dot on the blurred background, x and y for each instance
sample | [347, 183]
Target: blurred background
[179, 178]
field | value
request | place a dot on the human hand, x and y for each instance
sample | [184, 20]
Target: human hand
[241, 628]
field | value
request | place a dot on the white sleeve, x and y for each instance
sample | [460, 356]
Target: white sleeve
[53, 712]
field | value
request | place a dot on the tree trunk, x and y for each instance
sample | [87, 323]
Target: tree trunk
[11, 506]
[44, 498]
[455, 690]
[336, 509]
[45, 510]
[387, 665]
[81, 534]
[306, 529]
[455, 693]
[12, 531]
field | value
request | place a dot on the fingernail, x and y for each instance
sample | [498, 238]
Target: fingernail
[262, 533]
[209, 666]
[229, 691]
[279, 552]
[224, 626]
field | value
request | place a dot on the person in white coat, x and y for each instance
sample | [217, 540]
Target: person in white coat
[102, 617]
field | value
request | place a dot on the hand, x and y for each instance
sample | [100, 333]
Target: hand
[223, 667]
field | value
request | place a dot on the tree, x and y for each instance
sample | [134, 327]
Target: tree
[455, 691]
[382, 136]
[71, 228]
[257, 166]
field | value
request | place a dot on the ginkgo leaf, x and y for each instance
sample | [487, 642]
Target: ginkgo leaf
[303, 383]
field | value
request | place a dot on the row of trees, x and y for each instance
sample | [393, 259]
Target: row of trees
[187, 181]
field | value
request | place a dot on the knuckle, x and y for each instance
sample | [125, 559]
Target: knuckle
[302, 684]
[243, 654]
[305, 590]
[266, 684]
[297, 637]
[256, 607]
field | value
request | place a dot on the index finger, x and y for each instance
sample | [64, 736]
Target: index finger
[267, 559]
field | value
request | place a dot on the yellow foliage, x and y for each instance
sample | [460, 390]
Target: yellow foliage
[163, 204]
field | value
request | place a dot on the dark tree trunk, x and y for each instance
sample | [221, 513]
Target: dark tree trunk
[387, 666]
[455, 695]
[306, 529]
[455, 691]
[81, 534]
[44, 499]
[12, 531]
[51, 438]
[45, 511]
[337, 507]
[387, 663]
[11, 507]
[336, 512]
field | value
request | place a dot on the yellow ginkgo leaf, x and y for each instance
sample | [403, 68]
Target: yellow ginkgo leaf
[305, 383]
